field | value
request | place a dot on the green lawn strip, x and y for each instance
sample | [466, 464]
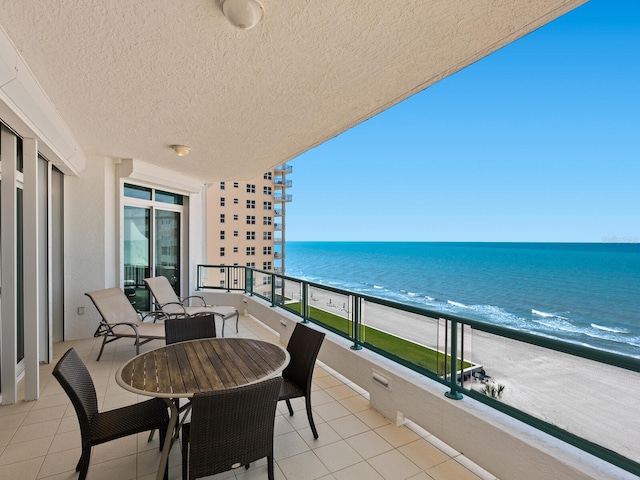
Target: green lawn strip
[418, 354]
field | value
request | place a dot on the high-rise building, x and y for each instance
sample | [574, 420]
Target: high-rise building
[246, 223]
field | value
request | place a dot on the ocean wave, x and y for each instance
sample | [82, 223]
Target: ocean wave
[547, 315]
[457, 304]
[378, 287]
[608, 329]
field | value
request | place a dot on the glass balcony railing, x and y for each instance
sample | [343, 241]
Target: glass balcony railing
[283, 198]
[515, 372]
[286, 168]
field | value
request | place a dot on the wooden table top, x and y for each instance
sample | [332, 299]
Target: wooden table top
[182, 369]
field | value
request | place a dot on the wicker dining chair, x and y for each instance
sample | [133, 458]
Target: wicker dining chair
[303, 347]
[189, 328]
[230, 428]
[100, 427]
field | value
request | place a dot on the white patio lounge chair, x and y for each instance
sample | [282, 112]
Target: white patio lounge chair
[172, 305]
[120, 319]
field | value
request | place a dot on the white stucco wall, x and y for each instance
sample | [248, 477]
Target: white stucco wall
[89, 242]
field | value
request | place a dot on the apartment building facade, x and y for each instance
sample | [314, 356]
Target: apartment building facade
[246, 224]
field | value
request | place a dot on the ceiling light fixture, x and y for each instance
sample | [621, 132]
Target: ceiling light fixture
[181, 150]
[243, 14]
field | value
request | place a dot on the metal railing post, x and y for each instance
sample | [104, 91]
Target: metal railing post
[453, 361]
[356, 323]
[273, 290]
[305, 302]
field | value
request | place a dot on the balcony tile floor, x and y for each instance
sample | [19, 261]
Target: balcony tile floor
[41, 439]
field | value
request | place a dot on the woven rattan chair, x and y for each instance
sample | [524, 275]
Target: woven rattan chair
[100, 427]
[230, 428]
[303, 347]
[172, 305]
[189, 328]
[120, 319]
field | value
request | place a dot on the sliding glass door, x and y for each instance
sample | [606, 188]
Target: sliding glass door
[152, 241]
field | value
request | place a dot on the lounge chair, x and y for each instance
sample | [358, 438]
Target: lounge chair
[172, 305]
[120, 319]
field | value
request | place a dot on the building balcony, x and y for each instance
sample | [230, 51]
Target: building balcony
[277, 227]
[283, 169]
[278, 255]
[282, 198]
[280, 183]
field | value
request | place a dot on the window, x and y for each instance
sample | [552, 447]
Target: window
[266, 220]
[266, 280]
[251, 188]
[266, 205]
[251, 235]
[235, 184]
[222, 251]
[235, 233]
[168, 197]
[221, 234]
[266, 250]
[266, 235]
[222, 270]
[221, 185]
[222, 283]
[266, 265]
[251, 204]
[251, 219]
[251, 264]
[136, 191]
[251, 251]
[235, 201]
[222, 218]
[235, 249]
[235, 217]
[266, 190]
[267, 176]
[222, 201]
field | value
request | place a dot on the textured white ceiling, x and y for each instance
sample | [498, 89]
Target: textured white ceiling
[131, 78]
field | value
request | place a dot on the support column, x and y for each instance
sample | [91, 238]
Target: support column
[31, 270]
[8, 254]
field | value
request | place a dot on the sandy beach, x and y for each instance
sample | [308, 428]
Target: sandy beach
[592, 400]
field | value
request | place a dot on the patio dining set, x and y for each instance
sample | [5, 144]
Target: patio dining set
[218, 395]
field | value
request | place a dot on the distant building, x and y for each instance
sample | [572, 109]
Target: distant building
[246, 224]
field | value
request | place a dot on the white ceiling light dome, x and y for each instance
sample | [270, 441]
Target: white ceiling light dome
[243, 14]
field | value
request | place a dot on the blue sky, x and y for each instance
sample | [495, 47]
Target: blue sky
[539, 141]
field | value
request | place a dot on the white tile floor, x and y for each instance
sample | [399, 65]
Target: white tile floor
[41, 439]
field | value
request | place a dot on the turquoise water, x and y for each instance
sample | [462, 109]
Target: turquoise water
[583, 293]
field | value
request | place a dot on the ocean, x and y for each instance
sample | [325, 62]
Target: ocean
[586, 293]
